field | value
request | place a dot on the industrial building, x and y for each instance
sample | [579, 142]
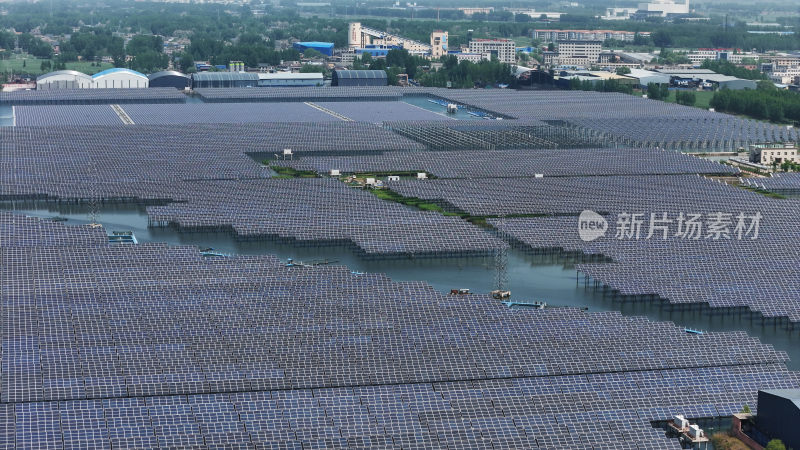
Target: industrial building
[779, 415]
[585, 35]
[116, 78]
[360, 37]
[503, 49]
[359, 78]
[646, 77]
[224, 80]
[119, 78]
[63, 79]
[664, 8]
[169, 78]
[700, 76]
[280, 79]
[326, 48]
[375, 51]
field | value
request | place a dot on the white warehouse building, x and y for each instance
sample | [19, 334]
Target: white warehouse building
[116, 78]
[63, 79]
[119, 78]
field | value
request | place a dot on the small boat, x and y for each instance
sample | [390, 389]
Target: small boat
[122, 237]
[534, 305]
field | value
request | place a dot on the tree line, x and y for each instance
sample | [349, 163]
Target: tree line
[764, 103]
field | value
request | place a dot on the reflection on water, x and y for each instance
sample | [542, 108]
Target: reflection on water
[549, 278]
[6, 116]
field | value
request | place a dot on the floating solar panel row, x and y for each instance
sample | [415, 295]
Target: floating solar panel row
[156, 320]
[591, 411]
[719, 132]
[20, 231]
[470, 135]
[303, 94]
[67, 161]
[69, 115]
[100, 329]
[92, 96]
[572, 195]
[92, 160]
[321, 210]
[724, 272]
[781, 183]
[549, 105]
[234, 113]
[376, 112]
[518, 163]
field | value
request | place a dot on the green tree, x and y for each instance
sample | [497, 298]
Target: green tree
[623, 70]
[311, 53]
[746, 409]
[775, 444]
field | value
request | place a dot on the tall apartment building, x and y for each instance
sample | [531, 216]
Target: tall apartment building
[504, 49]
[585, 35]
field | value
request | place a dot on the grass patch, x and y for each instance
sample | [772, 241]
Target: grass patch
[288, 172]
[26, 64]
[402, 174]
[427, 205]
[703, 98]
[763, 192]
[723, 441]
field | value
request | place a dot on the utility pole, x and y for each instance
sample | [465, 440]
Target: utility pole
[501, 261]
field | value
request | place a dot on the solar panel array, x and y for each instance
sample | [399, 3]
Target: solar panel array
[495, 135]
[156, 346]
[300, 94]
[725, 272]
[782, 183]
[149, 114]
[376, 112]
[152, 345]
[718, 132]
[177, 114]
[67, 115]
[320, 211]
[517, 163]
[92, 96]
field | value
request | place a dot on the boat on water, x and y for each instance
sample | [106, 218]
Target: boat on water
[122, 237]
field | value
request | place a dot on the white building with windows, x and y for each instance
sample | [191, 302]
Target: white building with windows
[504, 49]
[578, 53]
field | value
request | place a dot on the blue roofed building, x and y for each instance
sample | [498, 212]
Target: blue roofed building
[326, 48]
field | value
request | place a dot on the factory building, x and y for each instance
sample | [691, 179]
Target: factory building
[504, 49]
[116, 78]
[63, 79]
[359, 78]
[360, 37]
[326, 48]
[779, 415]
[281, 79]
[119, 78]
[224, 80]
[169, 78]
